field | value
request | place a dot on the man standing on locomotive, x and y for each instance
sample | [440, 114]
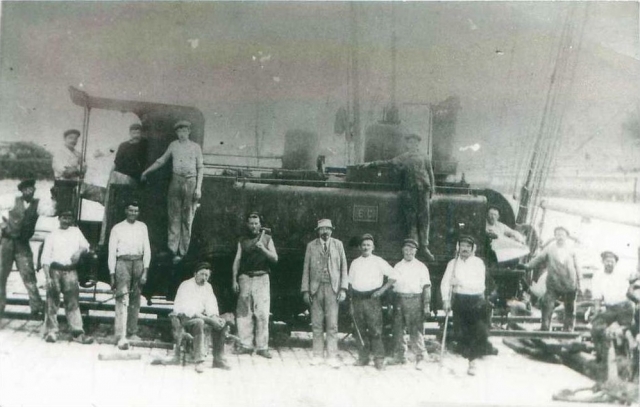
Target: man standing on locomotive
[609, 289]
[418, 183]
[366, 276]
[563, 278]
[196, 306]
[412, 291]
[60, 255]
[251, 267]
[129, 259]
[324, 286]
[19, 217]
[462, 289]
[185, 189]
[68, 170]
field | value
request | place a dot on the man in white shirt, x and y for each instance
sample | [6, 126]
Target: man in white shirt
[507, 244]
[366, 277]
[196, 306]
[411, 303]
[60, 255]
[462, 289]
[129, 259]
[68, 170]
[19, 217]
[609, 289]
[185, 188]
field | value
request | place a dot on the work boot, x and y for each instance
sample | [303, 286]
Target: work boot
[123, 344]
[397, 361]
[264, 353]
[428, 254]
[83, 339]
[361, 362]
[471, 371]
[200, 367]
[221, 364]
[242, 351]
[379, 363]
[135, 338]
[51, 338]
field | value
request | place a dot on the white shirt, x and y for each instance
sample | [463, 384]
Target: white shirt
[411, 277]
[63, 158]
[467, 278]
[611, 288]
[129, 239]
[193, 299]
[367, 273]
[61, 244]
[186, 157]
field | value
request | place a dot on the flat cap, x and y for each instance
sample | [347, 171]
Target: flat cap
[135, 126]
[467, 238]
[367, 236]
[66, 212]
[132, 202]
[26, 184]
[414, 136]
[72, 131]
[609, 253]
[410, 242]
[203, 265]
[561, 228]
[182, 123]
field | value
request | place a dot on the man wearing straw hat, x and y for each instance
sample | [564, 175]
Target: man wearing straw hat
[462, 289]
[324, 286]
[609, 290]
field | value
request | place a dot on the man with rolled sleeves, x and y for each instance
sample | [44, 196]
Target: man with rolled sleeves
[60, 255]
[366, 277]
[129, 259]
[251, 268]
[462, 289]
[412, 291]
[324, 286]
[196, 306]
[609, 290]
[19, 217]
[185, 188]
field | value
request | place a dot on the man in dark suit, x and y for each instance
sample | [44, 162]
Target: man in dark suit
[324, 286]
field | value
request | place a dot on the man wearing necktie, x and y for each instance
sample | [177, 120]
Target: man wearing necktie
[324, 286]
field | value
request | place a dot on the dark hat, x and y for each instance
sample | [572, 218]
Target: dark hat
[132, 202]
[467, 238]
[182, 123]
[413, 135]
[135, 126]
[561, 228]
[609, 253]
[203, 265]
[410, 242]
[26, 184]
[72, 131]
[66, 212]
[366, 236]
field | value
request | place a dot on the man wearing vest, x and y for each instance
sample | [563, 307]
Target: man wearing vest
[18, 226]
[251, 268]
[129, 259]
[324, 286]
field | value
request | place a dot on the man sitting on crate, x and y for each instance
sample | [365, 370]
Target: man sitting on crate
[610, 288]
[194, 308]
[418, 184]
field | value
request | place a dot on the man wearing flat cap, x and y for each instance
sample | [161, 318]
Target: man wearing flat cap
[324, 285]
[185, 188]
[129, 162]
[129, 259]
[418, 185]
[609, 289]
[563, 278]
[411, 305]
[366, 277]
[68, 170]
[196, 306]
[462, 289]
[19, 217]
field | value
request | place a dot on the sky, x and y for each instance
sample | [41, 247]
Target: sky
[285, 66]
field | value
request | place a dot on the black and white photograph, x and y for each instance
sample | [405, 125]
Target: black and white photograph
[319, 203]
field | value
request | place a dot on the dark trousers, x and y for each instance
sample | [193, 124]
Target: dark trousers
[367, 313]
[470, 322]
[415, 208]
[549, 303]
[66, 195]
[19, 251]
[621, 313]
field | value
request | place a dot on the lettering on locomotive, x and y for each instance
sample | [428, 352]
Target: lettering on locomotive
[365, 213]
